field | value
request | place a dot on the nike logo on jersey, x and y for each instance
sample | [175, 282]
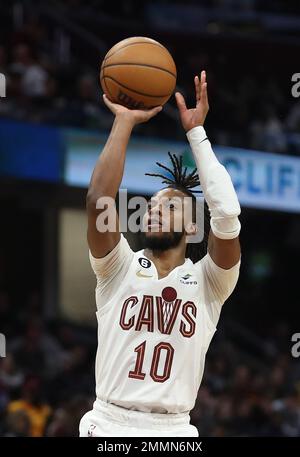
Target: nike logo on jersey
[142, 275]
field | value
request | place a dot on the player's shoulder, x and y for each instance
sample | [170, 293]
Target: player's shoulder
[200, 267]
[200, 264]
[141, 259]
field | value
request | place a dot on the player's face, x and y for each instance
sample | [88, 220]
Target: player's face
[165, 219]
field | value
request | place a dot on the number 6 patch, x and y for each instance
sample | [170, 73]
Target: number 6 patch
[145, 263]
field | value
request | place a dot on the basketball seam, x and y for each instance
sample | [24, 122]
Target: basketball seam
[135, 91]
[108, 91]
[131, 44]
[140, 65]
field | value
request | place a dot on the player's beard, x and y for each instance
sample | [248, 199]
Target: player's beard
[163, 242]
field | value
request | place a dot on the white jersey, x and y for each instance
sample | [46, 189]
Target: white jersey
[153, 334]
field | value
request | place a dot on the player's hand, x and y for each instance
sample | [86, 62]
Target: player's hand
[194, 117]
[133, 116]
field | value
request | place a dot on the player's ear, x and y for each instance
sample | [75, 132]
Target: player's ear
[191, 228]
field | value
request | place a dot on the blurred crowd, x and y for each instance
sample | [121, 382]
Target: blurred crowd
[245, 397]
[47, 380]
[47, 376]
[40, 90]
[48, 82]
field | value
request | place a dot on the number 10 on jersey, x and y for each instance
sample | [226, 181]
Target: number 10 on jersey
[138, 372]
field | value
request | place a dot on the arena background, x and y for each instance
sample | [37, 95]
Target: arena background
[52, 126]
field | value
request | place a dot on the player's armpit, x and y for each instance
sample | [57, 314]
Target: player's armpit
[111, 271]
[109, 265]
[220, 281]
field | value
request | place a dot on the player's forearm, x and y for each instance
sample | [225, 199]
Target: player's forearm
[217, 187]
[108, 172]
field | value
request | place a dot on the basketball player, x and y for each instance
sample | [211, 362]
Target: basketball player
[158, 308]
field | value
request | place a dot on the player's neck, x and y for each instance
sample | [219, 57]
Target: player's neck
[166, 261]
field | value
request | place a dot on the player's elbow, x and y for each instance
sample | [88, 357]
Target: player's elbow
[91, 200]
[96, 202]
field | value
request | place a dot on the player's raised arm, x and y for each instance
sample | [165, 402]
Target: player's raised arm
[107, 177]
[218, 190]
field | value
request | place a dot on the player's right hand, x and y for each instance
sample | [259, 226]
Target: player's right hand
[194, 117]
[134, 116]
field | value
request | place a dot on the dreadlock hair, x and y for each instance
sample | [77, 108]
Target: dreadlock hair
[181, 181]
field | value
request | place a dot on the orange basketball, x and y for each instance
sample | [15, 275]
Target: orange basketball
[138, 73]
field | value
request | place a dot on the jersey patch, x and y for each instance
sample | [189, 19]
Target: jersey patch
[145, 263]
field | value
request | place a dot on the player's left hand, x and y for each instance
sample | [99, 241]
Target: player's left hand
[194, 117]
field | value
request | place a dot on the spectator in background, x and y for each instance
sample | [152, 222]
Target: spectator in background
[11, 378]
[32, 403]
[89, 100]
[7, 320]
[75, 377]
[293, 118]
[65, 419]
[34, 76]
[37, 351]
[17, 424]
[3, 60]
[267, 131]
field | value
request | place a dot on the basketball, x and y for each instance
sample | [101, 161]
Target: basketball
[138, 73]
